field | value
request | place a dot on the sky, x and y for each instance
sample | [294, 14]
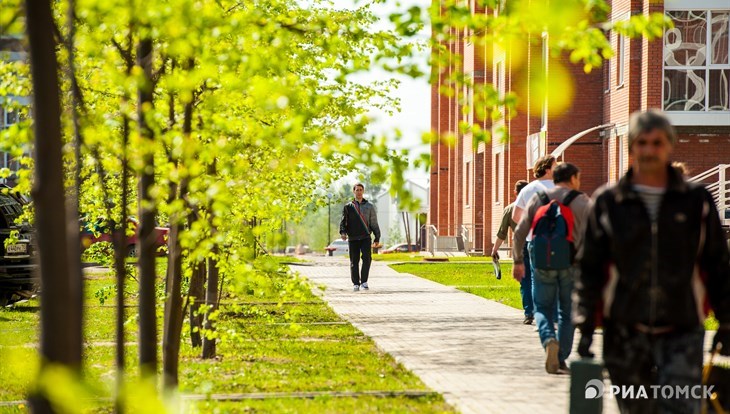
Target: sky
[414, 118]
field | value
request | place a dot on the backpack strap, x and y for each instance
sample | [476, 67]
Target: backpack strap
[544, 199]
[571, 196]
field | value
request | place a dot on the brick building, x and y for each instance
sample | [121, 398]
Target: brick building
[687, 74]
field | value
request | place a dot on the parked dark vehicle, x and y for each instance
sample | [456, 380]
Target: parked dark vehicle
[17, 266]
[100, 231]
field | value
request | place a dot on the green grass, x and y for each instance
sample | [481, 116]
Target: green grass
[475, 278]
[265, 347]
[417, 257]
[327, 405]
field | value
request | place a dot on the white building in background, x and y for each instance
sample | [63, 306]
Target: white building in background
[11, 50]
[390, 216]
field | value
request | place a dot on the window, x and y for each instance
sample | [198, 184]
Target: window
[469, 97]
[533, 148]
[621, 61]
[499, 84]
[607, 68]
[467, 191]
[497, 176]
[545, 56]
[621, 152]
[696, 65]
[500, 177]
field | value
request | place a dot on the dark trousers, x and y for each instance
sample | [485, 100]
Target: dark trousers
[636, 358]
[357, 248]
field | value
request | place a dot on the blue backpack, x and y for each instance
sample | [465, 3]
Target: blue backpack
[551, 247]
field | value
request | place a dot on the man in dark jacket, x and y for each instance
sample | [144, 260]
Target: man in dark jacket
[654, 263]
[359, 219]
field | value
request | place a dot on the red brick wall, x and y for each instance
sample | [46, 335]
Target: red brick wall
[599, 155]
[651, 96]
[585, 112]
[702, 148]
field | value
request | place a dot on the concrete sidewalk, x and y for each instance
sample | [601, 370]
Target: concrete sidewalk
[474, 351]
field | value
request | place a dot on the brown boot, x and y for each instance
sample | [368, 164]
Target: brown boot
[552, 365]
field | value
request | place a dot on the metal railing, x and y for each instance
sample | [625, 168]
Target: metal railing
[431, 237]
[465, 237]
[719, 188]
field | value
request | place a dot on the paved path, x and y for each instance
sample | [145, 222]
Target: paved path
[474, 351]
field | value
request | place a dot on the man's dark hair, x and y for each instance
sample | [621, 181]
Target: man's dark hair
[519, 185]
[358, 185]
[644, 122]
[542, 165]
[563, 172]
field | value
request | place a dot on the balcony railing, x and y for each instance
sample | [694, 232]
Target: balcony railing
[717, 182]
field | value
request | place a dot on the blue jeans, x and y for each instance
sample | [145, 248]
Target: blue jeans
[553, 286]
[526, 285]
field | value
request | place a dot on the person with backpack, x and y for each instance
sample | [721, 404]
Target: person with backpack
[359, 219]
[555, 219]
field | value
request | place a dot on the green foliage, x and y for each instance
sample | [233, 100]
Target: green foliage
[101, 253]
[395, 235]
[105, 293]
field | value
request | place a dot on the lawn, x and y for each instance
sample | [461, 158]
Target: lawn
[268, 345]
[417, 257]
[476, 278]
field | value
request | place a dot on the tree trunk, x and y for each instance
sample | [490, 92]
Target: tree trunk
[147, 251]
[211, 300]
[120, 250]
[211, 295]
[174, 303]
[60, 323]
[173, 308]
[196, 292]
[72, 220]
[120, 242]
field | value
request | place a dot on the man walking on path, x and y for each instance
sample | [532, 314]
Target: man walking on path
[543, 171]
[553, 284]
[654, 262]
[507, 222]
[359, 219]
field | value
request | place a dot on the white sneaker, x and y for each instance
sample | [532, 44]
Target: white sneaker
[364, 286]
[356, 288]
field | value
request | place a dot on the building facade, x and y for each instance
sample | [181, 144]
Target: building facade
[11, 50]
[686, 74]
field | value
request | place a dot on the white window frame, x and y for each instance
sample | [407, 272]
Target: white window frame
[705, 117]
[620, 151]
[499, 167]
[621, 61]
[467, 182]
[607, 69]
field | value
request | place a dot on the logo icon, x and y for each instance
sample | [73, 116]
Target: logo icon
[594, 389]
